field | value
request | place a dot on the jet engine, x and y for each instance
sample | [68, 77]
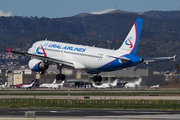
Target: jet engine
[37, 65]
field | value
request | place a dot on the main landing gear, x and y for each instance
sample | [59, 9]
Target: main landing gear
[60, 76]
[97, 78]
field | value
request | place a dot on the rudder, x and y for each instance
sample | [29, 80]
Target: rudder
[130, 44]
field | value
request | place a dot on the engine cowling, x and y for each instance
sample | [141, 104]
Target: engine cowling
[37, 65]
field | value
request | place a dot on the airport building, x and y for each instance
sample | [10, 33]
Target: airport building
[6, 75]
[27, 78]
[79, 79]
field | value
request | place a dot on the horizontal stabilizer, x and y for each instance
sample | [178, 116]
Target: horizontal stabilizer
[147, 60]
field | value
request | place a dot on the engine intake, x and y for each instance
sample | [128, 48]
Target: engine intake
[37, 65]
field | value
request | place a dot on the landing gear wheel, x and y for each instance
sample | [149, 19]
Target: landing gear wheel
[94, 78]
[97, 78]
[63, 77]
[43, 72]
[60, 77]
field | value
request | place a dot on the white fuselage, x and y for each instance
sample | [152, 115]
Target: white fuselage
[28, 86]
[133, 84]
[155, 86]
[106, 85]
[53, 85]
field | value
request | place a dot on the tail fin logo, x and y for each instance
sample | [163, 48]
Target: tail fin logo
[129, 42]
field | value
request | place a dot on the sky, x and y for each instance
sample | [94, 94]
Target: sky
[68, 8]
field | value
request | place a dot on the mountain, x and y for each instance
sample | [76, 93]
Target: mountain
[159, 37]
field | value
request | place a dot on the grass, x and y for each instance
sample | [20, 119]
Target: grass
[90, 104]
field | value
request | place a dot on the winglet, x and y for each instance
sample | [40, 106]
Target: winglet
[9, 50]
[174, 57]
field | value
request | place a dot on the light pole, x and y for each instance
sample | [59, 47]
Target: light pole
[109, 42]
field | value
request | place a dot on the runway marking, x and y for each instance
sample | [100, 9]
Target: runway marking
[174, 116]
[53, 111]
[136, 112]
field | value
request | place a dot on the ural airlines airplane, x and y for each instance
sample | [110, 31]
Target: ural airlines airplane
[91, 59]
[28, 86]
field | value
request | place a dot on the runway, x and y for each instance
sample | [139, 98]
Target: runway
[92, 97]
[90, 114]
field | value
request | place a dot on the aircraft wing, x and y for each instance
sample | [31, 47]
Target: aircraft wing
[54, 60]
[147, 60]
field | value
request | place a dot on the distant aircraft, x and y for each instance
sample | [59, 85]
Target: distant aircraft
[133, 84]
[93, 60]
[47, 85]
[53, 85]
[57, 86]
[155, 86]
[3, 86]
[106, 85]
[20, 85]
[28, 86]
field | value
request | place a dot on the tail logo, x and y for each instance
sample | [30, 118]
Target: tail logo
[129, 42]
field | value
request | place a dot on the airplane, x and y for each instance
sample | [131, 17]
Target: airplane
[28, 86]
[133, 84]
[93, 60]
[53, 85]
[47, 85]
[103, 86]
[57, 86]
[3, 86]
[106, 85]
[155, 86]
[20, 85]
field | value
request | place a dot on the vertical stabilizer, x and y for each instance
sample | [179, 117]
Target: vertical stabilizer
[62, 84]
[130, 44]
[94, 84]
[32, 83]
[114, 83]
[139, 81]
[54, 82]
[5, 84]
